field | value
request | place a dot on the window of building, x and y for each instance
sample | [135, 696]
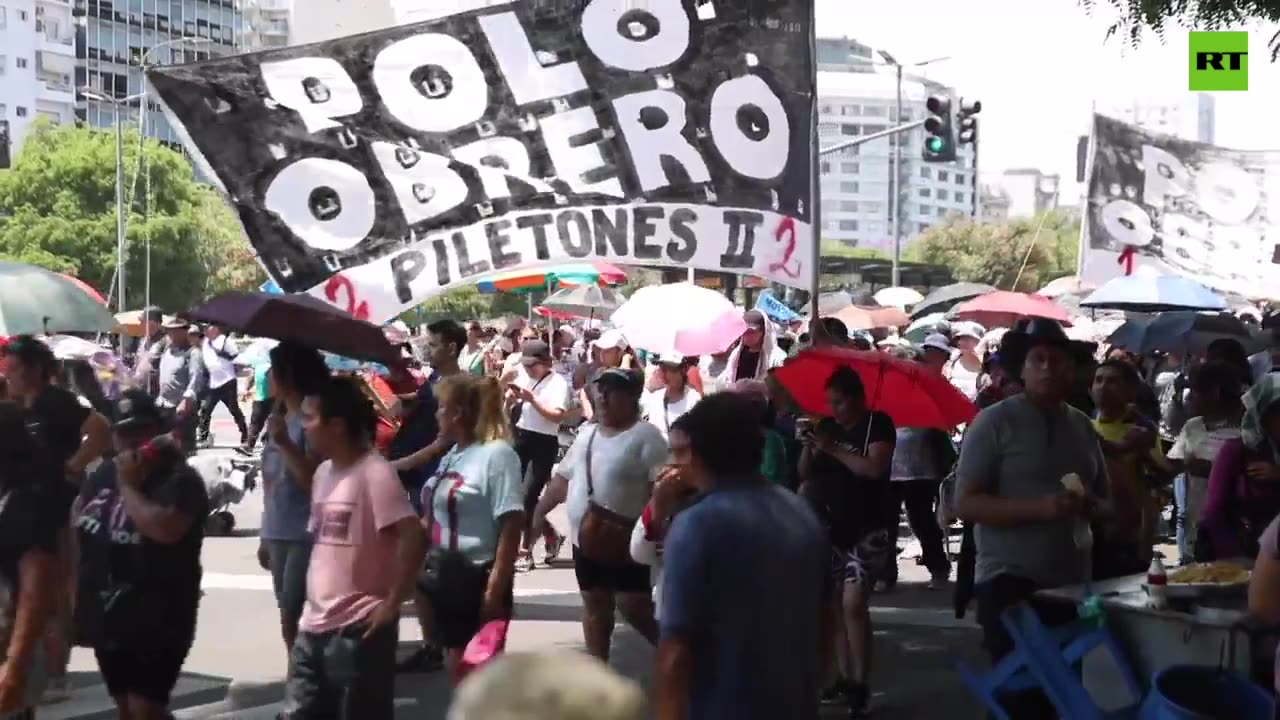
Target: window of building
[848, 187]
[825, 109]
[941, 194]
[4, 18]
[942, 212]
[4, 111]
[942, 176]
[849, 205]
[848, 225]
[847, 129]
[20, 111]
[922, 227]
[849, 110]
[22, 17]
[874, 208]
[926, 209]
[188, 28]
[872, 129]
[873, 227]
[849, 167]
[926, 172]
[825, 167]
[21, 63]
[875, 111]
[959, 196]
[960, 179]
[924, 192]
[4, 63]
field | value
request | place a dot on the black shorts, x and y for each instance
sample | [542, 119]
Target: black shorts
[592, 575]
[149, 673]
[865, 559]
[456, 609]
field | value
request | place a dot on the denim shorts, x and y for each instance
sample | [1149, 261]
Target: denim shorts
[289, 561]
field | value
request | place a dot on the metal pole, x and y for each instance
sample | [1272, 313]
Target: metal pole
[864, 139]
[815, 179]
[896, 199]
[143, 124]
[120, 210]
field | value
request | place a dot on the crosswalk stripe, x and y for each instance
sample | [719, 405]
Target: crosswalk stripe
[90, 702]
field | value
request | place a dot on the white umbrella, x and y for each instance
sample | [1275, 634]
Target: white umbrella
[899, 297]
[681, 317]
[69, 347]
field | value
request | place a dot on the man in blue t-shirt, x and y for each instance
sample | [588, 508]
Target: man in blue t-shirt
[745, 577]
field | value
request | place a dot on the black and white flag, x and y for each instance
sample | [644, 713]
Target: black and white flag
[377, 170]
[1183, 207]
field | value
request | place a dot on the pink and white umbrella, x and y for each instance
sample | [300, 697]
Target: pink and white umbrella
[682, 318]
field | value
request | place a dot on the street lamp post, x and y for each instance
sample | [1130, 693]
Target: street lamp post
[117, 105]
[895, 169]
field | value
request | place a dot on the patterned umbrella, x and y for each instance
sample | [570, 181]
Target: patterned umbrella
[586, 301]
[592, 273]
[35, 301]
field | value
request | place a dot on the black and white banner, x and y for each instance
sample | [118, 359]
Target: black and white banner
[1183, 207]
[377, 170]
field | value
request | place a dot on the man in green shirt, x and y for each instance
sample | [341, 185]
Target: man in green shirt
[261, 403]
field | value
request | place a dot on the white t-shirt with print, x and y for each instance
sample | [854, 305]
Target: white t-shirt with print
[553, 392]
[1197, 441]
[661, 414]
[623, 468]
[481, 483]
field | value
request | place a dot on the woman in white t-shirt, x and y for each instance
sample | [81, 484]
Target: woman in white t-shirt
[473, 512]
[661, 407]
[1215, 398]
[612, 465]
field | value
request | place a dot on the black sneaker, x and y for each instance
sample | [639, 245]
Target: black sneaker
[836, 692]
[859, 697]
[427, 658]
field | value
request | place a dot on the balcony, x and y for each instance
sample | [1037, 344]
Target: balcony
[56, 45]
[62, 62]
[56, 91]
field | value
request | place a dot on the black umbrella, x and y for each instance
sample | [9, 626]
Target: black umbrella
[300, 319]
[945, 297]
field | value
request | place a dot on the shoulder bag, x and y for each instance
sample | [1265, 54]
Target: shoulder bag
[604, 535]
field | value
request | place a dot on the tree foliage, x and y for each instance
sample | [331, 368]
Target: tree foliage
[58, 210]
[994, 253]
[1136, 17]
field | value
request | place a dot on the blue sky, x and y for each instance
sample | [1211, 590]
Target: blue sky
[1038, 65]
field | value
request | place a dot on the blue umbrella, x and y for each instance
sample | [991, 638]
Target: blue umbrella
[1181, 332]
[1154, 293]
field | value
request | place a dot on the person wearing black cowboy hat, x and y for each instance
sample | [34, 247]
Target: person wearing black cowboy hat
[1030, 478]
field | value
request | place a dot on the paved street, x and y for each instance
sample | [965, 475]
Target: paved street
[916, 638]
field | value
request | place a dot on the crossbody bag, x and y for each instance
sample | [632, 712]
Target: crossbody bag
[604, 535]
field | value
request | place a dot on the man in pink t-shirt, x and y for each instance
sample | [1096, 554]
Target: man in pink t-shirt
[368, 550]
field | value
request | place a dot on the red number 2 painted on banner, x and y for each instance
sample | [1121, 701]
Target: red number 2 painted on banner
[786, 233]
[341, 284]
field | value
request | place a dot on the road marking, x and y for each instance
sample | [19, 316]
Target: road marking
[262, 582]
[93, 701]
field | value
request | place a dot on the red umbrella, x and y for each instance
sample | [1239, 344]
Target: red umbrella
[87, 288]
[910, 394]
[856, 317]
[1003, 308]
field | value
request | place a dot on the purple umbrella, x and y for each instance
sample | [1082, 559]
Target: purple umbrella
[298, 318]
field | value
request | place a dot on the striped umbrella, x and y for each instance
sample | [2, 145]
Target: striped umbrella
[522, 281]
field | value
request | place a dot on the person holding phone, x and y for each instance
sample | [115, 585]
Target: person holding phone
[845, 468]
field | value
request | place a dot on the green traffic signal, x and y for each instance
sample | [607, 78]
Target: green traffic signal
[936, 144]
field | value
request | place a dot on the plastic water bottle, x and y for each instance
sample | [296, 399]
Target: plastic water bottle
[1157, 585]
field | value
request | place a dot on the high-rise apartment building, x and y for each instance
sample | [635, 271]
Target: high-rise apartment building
[1187, 115]
[117, 38]
[267, 24]
[856, 184]
[37, 65]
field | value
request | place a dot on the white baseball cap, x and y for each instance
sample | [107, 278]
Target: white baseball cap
[671, 358]
[967, 329]
[610, 339]
[937, 341]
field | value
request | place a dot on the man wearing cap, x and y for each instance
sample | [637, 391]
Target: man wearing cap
[180, 371]
[540, 396]
[935, 352]
[965, 366]
[219, 353]
[755, 355]
[661, 407]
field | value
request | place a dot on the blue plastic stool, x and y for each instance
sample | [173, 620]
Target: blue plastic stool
[1011, 675]
[1055, 667]
[1195, 692]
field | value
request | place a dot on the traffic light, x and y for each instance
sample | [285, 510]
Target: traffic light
[968, 122]
[939, 141]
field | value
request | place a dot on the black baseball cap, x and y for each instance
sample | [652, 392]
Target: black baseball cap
[136, 409]
[620, 379]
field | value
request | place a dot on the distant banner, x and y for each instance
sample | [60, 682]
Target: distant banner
[1202, 211]
[377, 170]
